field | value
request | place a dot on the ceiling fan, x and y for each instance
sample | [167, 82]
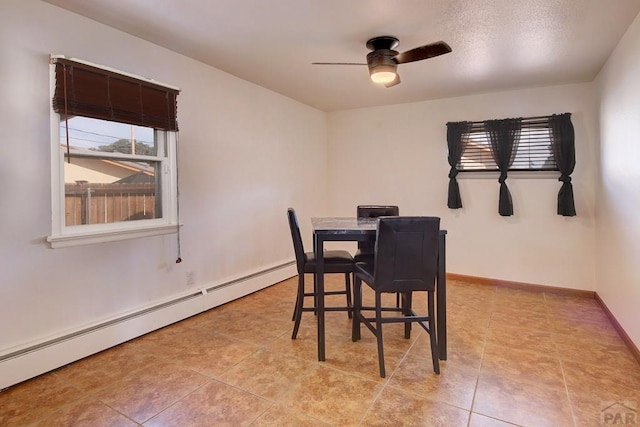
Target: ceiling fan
[383, 60]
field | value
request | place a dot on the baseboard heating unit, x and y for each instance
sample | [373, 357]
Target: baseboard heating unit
[35, 359]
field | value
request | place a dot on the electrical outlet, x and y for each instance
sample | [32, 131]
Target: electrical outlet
[191, 279]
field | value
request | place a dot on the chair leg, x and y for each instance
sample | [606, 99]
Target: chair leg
[379, 333]
[406, 310]
[435, 353]
[299, 304]
[295, 307]
[347, 281]
[357, 304]
[315, 295]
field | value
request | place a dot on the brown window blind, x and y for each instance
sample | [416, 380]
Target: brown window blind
[85, 90]
[533, 150]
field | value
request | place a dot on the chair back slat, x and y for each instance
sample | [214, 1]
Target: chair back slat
[406, 254]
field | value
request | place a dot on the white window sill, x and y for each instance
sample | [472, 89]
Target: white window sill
[68, 240]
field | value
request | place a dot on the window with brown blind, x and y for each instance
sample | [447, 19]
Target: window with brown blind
[533, 151]
[113, 154]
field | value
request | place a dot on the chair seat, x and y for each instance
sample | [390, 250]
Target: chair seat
[333, 260]
[364, 255]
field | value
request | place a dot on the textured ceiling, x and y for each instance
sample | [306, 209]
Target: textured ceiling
[497, 44]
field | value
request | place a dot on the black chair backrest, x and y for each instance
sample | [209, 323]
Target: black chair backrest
[375, 211]
[406, 254]
[298, 247]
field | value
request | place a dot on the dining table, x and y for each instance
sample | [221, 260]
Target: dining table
[332, 229]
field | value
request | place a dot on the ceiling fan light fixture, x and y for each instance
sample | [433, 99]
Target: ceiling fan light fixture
[382, 75]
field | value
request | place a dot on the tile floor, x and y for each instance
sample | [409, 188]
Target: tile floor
[515, 358]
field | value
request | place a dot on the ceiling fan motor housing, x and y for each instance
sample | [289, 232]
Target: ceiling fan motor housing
[382, 60]
[382, 42]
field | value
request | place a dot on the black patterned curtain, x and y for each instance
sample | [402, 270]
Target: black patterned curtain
[457, 138]
[563, 145]
[504, 136]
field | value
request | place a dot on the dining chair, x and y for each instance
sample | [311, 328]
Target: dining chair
[335, 261]
[406, 261]
[365, 249]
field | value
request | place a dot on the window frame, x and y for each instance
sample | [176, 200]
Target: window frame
[66, 236]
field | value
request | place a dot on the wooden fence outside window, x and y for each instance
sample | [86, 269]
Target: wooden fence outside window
[93, 203]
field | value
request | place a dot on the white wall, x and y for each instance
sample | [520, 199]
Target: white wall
[618, 214]
[245, 155]
[398, 154]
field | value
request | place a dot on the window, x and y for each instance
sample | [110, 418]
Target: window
[533, 150]
[113, 145]
[544, 143]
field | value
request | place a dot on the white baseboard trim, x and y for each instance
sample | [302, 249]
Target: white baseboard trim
[36, 359]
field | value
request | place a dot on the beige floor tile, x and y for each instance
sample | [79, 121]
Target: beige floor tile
[336, 323]
[31, 400]
[279, 310]
[145, 393]
[520, 316]
[471, 311]
[399, 408]
[523, 404]
[466, 295]
[565, 299]
[214, 404]
[455, 287]
[604, 382]
[573, 307]
[98, 371]
[505, 294]
[305, 346]
[593, 388]
[361, 358]
[467, 327]
[521, 366]
[454, 386]
[593, 411]
[521, 302]
[246, 326]
[522, 338]
[267, 374]
[332, 396]
[478, 420]
[280, 416]
[87, 412]
[465, 348]
[598, 330]
[587, 350]
[209, 353]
